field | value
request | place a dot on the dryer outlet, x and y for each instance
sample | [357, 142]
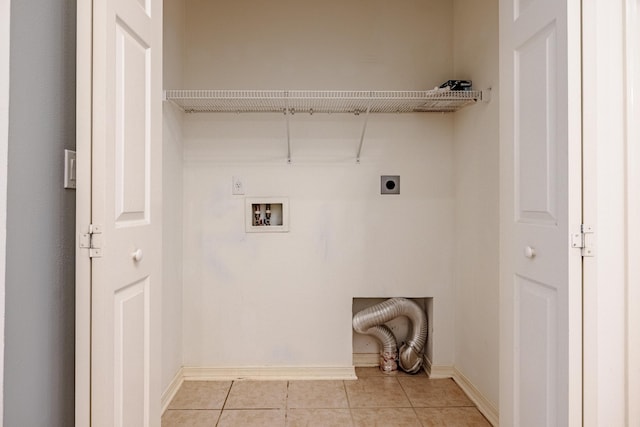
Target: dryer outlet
[390, 184]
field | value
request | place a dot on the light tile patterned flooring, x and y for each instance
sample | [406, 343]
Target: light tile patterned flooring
[375, 399]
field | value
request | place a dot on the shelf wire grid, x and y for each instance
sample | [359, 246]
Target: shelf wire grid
[309, 101]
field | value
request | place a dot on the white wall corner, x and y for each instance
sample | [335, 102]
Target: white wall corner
[485, 406]
[172, 390]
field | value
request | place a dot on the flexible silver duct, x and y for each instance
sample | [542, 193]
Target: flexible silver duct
[370, 320]
[389, 353]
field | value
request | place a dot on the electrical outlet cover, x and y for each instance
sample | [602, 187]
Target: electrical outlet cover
[237, 186]
[390, 184]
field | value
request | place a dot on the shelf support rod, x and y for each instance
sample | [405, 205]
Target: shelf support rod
[287, 111]
[286, 115]
[364, 131]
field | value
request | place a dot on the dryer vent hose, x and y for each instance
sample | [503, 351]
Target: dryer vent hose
[371, 321]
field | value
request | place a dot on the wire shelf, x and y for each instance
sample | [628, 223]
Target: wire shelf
[305, 101]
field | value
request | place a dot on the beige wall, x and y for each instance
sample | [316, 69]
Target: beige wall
[476, 167]
[286, 299]
[40, 215]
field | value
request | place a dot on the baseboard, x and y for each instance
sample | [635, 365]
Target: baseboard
[366, 360]
[487, 408]
[441, 371]
[172, 389]
[437, 371]
[269, 373]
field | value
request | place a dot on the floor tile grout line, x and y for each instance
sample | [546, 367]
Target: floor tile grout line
[358, 408]
[405, 394]
[224, 404]
[255, 409]
[416, 414]
[346, 394]
[470, 405]
[448, 407]
[286, 403]
[324, 408]
[226, 398]
[344, 386]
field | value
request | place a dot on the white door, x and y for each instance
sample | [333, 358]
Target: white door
[541, 278]
[126, 209]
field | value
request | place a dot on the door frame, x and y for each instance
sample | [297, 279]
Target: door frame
[633, 208]
[5, 54]
[611, 179]
[84, 88]
[629, 250]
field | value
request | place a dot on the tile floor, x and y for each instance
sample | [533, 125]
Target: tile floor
[375, 399]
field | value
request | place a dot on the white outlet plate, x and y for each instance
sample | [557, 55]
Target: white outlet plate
[237, 186]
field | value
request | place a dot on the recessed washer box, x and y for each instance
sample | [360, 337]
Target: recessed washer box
[390, 184]
[266, 214]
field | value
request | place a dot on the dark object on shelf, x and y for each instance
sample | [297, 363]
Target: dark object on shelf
[456, 85]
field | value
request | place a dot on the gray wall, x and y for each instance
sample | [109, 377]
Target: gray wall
[39, 334]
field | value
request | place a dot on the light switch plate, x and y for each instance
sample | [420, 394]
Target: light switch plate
[69, 169]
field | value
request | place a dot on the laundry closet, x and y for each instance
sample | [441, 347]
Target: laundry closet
[282, 300]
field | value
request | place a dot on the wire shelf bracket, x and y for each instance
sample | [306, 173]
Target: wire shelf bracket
[364, 131]
[286, 116]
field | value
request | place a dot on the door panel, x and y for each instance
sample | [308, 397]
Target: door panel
[535, 144]
[126, 201]
[521, 6]
[132, 126]
[540, 117]
[131, 335]
[536, 347]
